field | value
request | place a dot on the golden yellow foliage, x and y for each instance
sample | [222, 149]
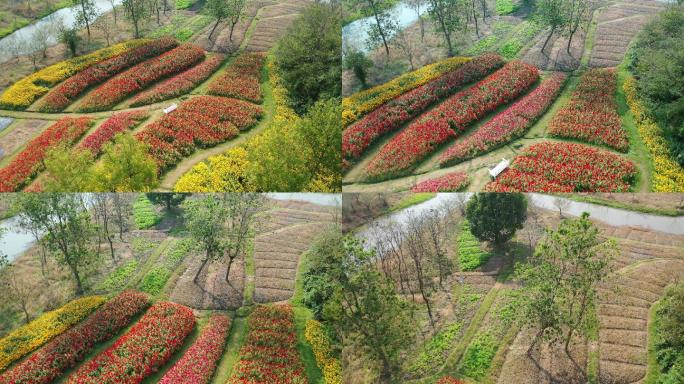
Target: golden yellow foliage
[226, 172]
[329, 365]
[25, 91]
[668, 175]
[360, 103]
[27, 338]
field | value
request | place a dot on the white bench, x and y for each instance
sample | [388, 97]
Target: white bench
[170, 108]
[496, 171]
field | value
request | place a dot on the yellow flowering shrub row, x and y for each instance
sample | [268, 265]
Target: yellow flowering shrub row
[230, 171]
[316, 336]
[360, 103]
[27, 338]
[25, 91]
[668, 175]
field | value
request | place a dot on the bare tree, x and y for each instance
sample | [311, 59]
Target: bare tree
[113, 3]
[16, 291]
[402, 41]
[104, 213]
[561, 203]
[103, 25]
[122, 206]
[417, 7]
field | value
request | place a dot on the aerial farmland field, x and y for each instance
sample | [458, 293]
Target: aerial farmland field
[149, 298]
[183, 90]
[514, 104]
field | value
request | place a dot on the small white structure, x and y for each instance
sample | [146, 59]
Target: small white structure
[170, 108]
[496, 171]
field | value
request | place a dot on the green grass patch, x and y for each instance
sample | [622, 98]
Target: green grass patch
[182, 28]
[627, 206]
[433, 354]
[470, 253]
[487, 44]
[478, 358]
[410, 200]
[145, 215]
[313, 373]
[238, 332]
[117, 280]
[141, 245]
[154, 280]
[505, 7]
[185, 4]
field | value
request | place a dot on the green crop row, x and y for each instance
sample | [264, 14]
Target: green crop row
[470, 255]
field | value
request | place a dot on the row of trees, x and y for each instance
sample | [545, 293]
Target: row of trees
[360, 292]
[565, 17]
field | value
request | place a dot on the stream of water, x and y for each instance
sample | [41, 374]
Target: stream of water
[14, 241]
[22, 37]
[355, 34]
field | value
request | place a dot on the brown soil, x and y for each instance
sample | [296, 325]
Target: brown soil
[18, 134]
[555, 56]
[220, 40]
[211, 290]
[618, 24]
[670, 201]
[273, 21]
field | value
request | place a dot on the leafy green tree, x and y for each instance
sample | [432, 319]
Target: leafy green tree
[309, 56]
[69, 37]
[324, 268]
[125, 166]
[242, 210]
[657, 60]
[67, 226]
[217, 9]
[231, 10]
[357, 62]
[495, 217]
[551, 13]
[204, 219]
[135, 11]
[448, 15]
[562, 278]
[578, 15]
[168, 200]
[87, 13]
[365, 310]
[68, 170]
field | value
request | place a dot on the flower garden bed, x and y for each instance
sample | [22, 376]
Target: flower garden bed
[592, 115]
[241, 79]
[179, 84]
[144, 349]
[389, 117]
[118, 123]
[566, 167]
[27, 90]
[449, 119]
[508, 125]
[452, 182]
[668, 175]
[65, 93]
[140, 76]
[320, 344]
[30, 161]
[198, 122]
[269, 353]
[363, 102]
[67, 349]
[27, 338]
[199, 362]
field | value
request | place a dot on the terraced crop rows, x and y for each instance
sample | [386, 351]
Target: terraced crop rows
[273, 22]
[623, 316]
[617, 25]
[277, 250]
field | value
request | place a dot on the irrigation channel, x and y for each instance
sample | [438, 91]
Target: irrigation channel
[21, 37]
[612, 216]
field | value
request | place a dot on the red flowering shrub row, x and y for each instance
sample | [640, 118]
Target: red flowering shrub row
[198, 122]
[508, 125]
[142, 75]
[30, 161]
[591, 115]
[566, 167]
[198, 364]
[179, 84]
[451, 182]
[66, 92]
[449, 119]
[119, 122]
[66, 350]
[140, 352]
[269, 354]
[389, 117]
[241, 79]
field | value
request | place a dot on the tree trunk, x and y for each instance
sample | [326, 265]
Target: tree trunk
[79, 286]
[380, 31]
[111, 248]
[230, 263]
[204, 262]
[572, 33]
[232, 27]
[553, 30]
[213, 29]
[477, 29]
[85, 18]
[447, 37]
